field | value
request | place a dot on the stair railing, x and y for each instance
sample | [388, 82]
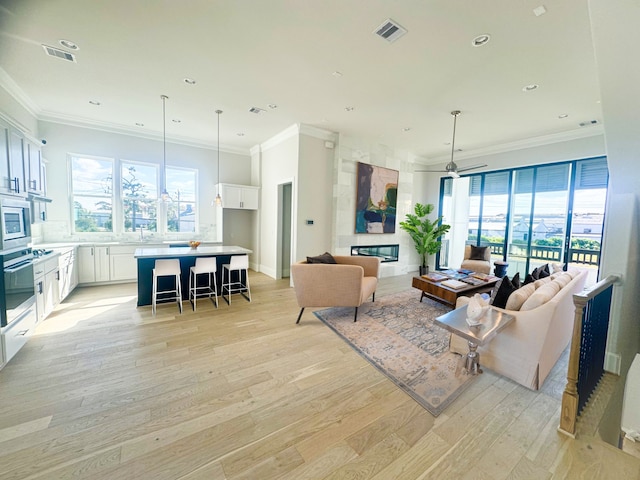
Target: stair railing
[588, 345]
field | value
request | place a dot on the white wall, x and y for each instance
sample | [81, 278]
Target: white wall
[65, 139]
[20, 116]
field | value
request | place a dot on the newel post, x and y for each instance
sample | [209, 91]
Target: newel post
[569, 410]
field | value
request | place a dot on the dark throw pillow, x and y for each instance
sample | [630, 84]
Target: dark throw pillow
[505, 289]
[516, 280]
[541, 272]
[477, 253]
[326, 257]
[528, 279]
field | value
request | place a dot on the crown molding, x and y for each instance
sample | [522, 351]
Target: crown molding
[255, 150]
[316, 132]
[532, 142]
[118, 129]
[277, 139]
[18, 94]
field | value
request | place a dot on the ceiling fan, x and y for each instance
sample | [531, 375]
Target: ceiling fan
[451, 168]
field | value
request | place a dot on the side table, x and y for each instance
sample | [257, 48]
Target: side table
[490, 325]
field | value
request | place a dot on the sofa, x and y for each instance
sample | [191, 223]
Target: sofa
[528, 348]
[480, 264]
[347, 283]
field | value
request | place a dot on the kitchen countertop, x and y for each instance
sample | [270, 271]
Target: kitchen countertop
[153, 252]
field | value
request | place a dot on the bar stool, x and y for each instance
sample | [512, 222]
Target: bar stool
[238, 263]
[166, 268]
[208, 266]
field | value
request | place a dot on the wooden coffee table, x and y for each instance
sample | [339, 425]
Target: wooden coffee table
[448, 295]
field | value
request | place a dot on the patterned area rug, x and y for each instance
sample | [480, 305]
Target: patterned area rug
[397, 335]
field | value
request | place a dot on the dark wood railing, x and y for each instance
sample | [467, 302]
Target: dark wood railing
[586, 358]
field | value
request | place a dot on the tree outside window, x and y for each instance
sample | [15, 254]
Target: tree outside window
[92, 192]
[139, 196]
[182, 211]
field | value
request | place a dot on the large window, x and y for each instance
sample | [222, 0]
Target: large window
[92, 194]
[535, 215]
[139, 190]
[121, 196]
[181, 211]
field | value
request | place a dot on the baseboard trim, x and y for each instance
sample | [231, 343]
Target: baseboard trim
[612, 363]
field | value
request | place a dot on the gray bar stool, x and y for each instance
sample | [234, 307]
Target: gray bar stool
[166, 268]
[208, 266]
[238, 263]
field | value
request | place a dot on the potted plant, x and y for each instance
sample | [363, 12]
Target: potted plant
[424, 232]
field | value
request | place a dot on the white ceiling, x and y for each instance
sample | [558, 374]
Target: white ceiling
[252, 53]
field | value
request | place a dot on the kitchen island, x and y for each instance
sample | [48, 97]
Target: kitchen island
[146, 258]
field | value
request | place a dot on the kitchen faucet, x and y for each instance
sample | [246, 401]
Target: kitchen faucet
[141, 232]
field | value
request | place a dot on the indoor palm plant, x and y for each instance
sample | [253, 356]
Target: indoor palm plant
[424, 232]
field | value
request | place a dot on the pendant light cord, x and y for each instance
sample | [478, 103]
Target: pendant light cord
[164, 145]
[455, 114]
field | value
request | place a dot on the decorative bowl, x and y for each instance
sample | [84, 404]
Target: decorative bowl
[194, 244]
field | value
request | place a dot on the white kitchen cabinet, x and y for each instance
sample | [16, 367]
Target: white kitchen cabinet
[93, 264]
[67, 265]
[33, 166]
[243, 197]
[12, 171]
[38, 287]
[101, 264]
[122, 264]
[51, 285]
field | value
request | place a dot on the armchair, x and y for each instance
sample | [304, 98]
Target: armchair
[472, 262]
[347, 283]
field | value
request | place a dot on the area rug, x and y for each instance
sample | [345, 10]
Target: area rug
[397, 335]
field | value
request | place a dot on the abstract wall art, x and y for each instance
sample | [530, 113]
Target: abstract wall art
[376, 199]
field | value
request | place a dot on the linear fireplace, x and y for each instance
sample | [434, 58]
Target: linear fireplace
[388, 253]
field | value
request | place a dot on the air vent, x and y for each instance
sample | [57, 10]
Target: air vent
[390, 30]
[56, 52]
[588, 123]
[256, 110]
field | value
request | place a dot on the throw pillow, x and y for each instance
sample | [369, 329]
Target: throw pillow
[326, 257]
[516, 280]
[528, 279]
[478, 253]
[503, 292]
[541, 272]
[517, 298]
[541, 296]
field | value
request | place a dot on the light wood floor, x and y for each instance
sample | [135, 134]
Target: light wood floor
[107, 391]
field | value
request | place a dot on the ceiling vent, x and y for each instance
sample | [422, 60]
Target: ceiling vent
[588, 123]
[56, 52]
[256, 110]
[390, 30]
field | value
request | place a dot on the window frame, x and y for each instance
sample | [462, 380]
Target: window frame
[72, 194]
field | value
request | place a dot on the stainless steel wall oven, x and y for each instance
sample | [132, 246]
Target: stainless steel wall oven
[17, 295]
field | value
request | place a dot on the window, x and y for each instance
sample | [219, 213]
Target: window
[139, 190]
[92, 194]
[182, 210]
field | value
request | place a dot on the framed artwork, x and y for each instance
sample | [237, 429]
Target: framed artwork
[376, 199]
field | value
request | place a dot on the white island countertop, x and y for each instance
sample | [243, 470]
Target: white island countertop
[190, 252]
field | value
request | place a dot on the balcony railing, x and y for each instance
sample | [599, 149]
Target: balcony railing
[588, 343]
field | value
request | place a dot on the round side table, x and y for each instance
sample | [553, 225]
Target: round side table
[500, 269]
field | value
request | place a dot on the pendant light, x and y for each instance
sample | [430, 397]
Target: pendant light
[218, 200]
[164, 196]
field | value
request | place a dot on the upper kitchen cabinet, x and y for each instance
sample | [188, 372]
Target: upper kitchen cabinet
[33, 164]
[243, 197]
[12, 171]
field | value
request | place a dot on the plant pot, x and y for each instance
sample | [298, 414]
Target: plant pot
[424, 270]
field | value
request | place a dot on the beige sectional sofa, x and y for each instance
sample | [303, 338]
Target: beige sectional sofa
[530, 346]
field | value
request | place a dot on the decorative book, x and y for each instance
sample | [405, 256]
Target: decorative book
[435, 277]
[454, 284]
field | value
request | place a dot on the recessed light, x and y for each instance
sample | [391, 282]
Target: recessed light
[349, 109]
[337, 74]
[240, 134]
[563, 115]
[529, 88]
[481, 40]
[140, 124]
[69, 44]
[189, 81]
[541, 10]
[176, 120]
[94, 102]
[272, 106]
[406, 129]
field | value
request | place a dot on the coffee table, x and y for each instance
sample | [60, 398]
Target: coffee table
[490, 325]
[448, 295]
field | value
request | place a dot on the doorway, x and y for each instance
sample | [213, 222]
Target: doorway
[284, 230]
